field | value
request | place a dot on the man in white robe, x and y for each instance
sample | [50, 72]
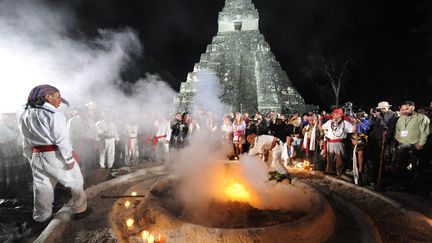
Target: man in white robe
[266, 146]
[47, 147]
[108, 136]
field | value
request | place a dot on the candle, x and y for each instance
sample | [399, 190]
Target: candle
[127, 204]
[129, 223]
[151, 239]
[145, 235]
[134, 194]
[158, 239]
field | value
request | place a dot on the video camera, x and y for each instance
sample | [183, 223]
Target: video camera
[348, 109]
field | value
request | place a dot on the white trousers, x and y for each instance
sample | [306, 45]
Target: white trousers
[164, 146]
[162, 151]
[132, 150]
[107, 149]
[49, 168]
[277, 161]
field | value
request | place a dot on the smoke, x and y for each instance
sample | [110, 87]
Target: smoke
[271, 195]
[209, 92]
[40, 44]
[6, 133]
[204, 174]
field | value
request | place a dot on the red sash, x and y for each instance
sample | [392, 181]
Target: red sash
[156, 139]
[51, 148]
[44, 148]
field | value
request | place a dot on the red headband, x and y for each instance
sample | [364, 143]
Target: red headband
[338, 111]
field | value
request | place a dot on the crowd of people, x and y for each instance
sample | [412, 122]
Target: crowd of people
[62, 148]
[396, 142]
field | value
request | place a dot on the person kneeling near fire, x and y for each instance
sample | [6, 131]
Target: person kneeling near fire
[263, 145]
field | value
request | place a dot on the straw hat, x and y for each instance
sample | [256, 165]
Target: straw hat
[383, 104]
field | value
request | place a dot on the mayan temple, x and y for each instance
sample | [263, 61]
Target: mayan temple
[249, 73]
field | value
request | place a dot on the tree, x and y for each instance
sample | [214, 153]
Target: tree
[333, 68]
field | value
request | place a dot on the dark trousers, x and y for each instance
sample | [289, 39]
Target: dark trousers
[407, 154]
[331, 158]
[313, 157]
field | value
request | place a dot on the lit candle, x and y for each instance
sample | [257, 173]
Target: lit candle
[129, 223]
[127, 204]
[145, 235]
[150, 239]
[159, 239]
[134, 194]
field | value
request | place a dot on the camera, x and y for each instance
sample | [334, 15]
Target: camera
[348, 108]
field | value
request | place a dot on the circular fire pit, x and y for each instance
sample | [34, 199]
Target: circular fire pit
[161, 212]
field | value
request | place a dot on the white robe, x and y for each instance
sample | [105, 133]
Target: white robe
[263, 143]
[108, 135]
[47, 126]
[164, 133]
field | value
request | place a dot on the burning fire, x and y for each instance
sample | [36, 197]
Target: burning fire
[237, 192]
[305, 165]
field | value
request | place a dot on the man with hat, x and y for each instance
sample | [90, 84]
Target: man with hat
[382, 113]
[382, 126]
[47, 147]
[335, 131]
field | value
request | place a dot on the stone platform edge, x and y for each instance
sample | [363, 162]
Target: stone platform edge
[58, 224]
[415, 215]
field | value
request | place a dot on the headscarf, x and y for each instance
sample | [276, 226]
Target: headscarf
[37, 95]
[338, 111]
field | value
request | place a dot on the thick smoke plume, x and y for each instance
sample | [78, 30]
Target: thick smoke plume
[204, 175]
[37, 46]
[40, 44]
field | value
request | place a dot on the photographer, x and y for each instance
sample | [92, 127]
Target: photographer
[363, 123]
[277, 127]
[258, 125]
[296, 122]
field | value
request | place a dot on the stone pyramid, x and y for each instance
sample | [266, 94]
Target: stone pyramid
[250, 75]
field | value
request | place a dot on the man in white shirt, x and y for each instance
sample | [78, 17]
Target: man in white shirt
[335, 131]
[265, 146]
[47, 147]
[108, 136]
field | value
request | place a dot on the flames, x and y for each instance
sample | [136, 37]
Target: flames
[237, 192]
[305, 165]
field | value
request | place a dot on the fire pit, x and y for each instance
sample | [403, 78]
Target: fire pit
[239, 218]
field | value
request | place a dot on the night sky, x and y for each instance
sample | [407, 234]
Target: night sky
[389, 43]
